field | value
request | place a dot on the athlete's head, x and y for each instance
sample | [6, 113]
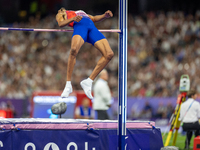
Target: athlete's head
[61, 10]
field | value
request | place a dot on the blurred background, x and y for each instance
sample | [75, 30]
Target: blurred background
[17, 10]
[163, 44]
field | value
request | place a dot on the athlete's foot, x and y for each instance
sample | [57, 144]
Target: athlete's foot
[87, 87]
[67, 91]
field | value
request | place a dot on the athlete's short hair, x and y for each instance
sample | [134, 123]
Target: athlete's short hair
[62, 8]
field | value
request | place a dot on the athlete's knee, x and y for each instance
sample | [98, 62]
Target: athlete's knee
[74, 51]
[110, 55]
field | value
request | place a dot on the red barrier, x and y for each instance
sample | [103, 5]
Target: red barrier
[196, 145]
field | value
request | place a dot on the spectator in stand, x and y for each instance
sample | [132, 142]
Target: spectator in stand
[84, 111]
[10, 112]
[147, 111]
[170, 110]
[161, 111]
[8, 109]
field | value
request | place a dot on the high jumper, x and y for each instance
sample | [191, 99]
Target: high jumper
[84, 31]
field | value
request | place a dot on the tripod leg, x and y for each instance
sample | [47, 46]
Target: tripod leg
[175, 137]
[172, 125]
[168, 138]
[177, 124]
[174, 120]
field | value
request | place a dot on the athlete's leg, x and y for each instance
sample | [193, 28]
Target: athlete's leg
[107, 54]
[76, 43]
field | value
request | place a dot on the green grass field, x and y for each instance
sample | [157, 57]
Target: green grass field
[180, 142]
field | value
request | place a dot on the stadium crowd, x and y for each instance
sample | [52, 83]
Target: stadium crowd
[161, 48]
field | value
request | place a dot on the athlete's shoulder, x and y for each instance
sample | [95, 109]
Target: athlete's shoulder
[70, 14]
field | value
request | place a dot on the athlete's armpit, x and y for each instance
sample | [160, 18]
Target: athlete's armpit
[91, 17]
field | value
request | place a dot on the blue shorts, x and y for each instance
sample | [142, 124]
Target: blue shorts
[87, 30]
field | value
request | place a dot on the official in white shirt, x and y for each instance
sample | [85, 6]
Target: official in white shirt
[102, 96]
[189, 115]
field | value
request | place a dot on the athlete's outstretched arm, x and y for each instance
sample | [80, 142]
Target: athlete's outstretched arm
[98, 18]
[63, 21]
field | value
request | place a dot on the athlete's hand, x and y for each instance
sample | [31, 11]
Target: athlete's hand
[78, 18]
[108, 14]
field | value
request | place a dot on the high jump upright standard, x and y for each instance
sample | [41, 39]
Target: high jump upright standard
[122, 77]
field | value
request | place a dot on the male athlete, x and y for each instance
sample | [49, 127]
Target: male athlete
[84, 31]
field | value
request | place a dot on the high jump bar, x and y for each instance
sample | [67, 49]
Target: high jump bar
[54, 30]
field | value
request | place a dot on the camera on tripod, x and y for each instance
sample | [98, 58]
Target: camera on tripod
[184, 83]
